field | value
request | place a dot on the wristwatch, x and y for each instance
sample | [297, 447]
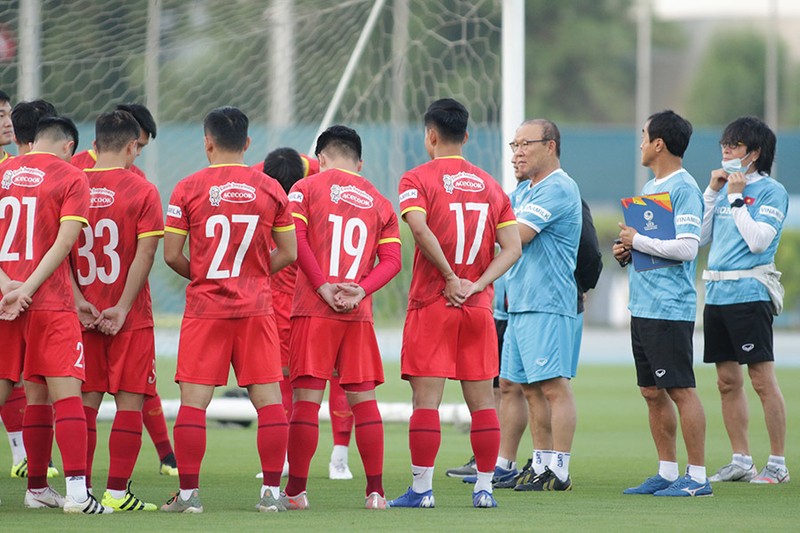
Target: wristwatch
[739, 202]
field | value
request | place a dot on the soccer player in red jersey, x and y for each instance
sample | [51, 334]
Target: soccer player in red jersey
[343, 225]
[110, 264]
[456, 212]
[229, 213]
[147, 125]
[24, 117]
[42, 190]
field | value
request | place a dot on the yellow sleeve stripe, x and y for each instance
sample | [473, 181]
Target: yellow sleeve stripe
[412, 208]
[507, 223]
[281, 229]
[158, 233]
[170, 229]
[301, 217]
[76, 218]
[390, 239]
[306, 166]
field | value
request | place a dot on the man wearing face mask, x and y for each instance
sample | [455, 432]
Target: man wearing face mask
[744, 213]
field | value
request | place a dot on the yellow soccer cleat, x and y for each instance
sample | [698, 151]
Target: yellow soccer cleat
[129, 502]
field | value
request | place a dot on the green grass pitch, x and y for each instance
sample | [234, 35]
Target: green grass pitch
[612, 450]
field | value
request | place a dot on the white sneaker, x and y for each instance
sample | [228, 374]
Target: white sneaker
[734, 472]
[338, 469]
[772, 474]
[89, 506]
[47, 499]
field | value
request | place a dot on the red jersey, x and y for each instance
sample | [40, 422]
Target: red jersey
[88, 159]
[6, 158]
[39, 190]
[347, 220]
[229, 213]
[124, 207]
[465, 207]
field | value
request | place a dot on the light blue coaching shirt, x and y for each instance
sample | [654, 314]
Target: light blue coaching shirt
[543, 279]
[767, 201]
[669, 293]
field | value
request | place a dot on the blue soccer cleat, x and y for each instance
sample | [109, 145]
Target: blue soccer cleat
[649, 486]
[413, 499]
[686, 486]
[483, 499]
[500, 475]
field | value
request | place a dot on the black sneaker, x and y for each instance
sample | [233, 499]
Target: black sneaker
[463, 471]
[168, 465]
[511, 483]
[547, 480]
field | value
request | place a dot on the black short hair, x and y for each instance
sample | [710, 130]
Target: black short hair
[228, 127]
[449, 118]
[114, 130]
[58, 128]
[671, 128]
[4, 97]
[26, 115]
[341, 140]
[754, 134]
[142, 116]
[285, 166]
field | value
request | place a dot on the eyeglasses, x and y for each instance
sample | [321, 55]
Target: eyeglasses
[730, 145]
[525, 143]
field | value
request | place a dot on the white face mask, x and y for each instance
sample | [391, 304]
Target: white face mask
[735, 165]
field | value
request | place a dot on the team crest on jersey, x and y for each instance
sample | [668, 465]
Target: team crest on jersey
[22, 177]
[463, 181]
[351, 195]
[235, 193]
[101, 197]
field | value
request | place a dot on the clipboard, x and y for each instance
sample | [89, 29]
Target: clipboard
[652, 216]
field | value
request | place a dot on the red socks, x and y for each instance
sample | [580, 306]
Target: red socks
[303, 440]
[190, 444]
[424, 437]
[70, 435]
[14, 410]
[286, 396]
[341, 415]
[91, 440]
[153, 419]
[271, 439]
[484, 435]
[369, 438]
[37, 432]
[123, 448]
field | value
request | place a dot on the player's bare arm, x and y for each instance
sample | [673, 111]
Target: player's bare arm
[432, 250]
[285, 252]
[111, 320]
[510, 250]
[173, 253]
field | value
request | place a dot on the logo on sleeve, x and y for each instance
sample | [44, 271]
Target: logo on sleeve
[687, 220]
[408, 195]
[100, 197]
[174, 211]
[235, 193]
[463, 181]
[22, 177]
[296, 196]
[351, 195]
[768, 211]
[536, 210]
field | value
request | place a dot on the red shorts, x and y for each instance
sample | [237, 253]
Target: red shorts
[282, 306]
[54, 347]
[122, 362]
[321, 345]
[12, 337]
[208, 347]
[448, 342]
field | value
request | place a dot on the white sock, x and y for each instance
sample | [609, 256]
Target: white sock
[668, 470]
[559, 465]
[276, 492]
[541, 458]
[484, 482]
[697, 473]
[777, 460]
[186, 494]
[506, 464]
[745, 461]
[339, 453]
[423, 478]
[76, 488]
[116, 494]
[17, 446]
